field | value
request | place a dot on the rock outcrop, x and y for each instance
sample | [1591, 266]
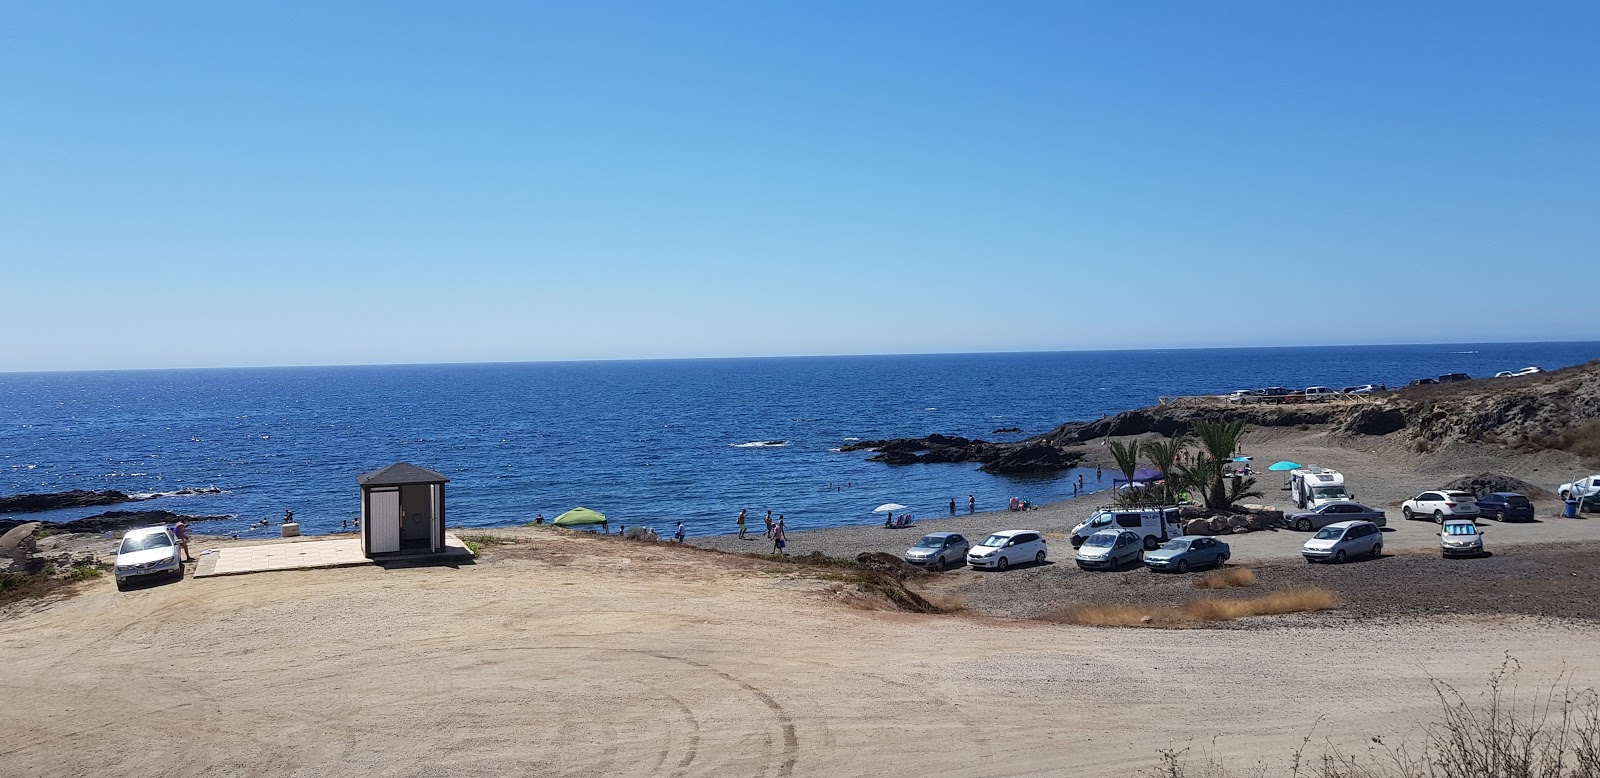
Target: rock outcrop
[34, 503]
[112, 521]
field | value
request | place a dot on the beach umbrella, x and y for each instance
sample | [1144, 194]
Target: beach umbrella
[1146, 474]
[1284, 465]
[889, 507]
[1243, 459]
[578, 517]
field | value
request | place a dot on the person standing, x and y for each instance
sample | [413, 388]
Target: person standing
[741, 524]
[1096, 472]
[678, 536]
[952, 506]
[778, 539]
[181, 529]
[769, 524]
[972, 504]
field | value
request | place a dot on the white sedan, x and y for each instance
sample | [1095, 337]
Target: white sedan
[148, 552]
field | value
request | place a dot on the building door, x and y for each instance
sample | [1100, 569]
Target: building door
[383, 521]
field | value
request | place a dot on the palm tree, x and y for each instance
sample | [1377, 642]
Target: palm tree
[1219, 439]
[1127, 456]
[1163, 455]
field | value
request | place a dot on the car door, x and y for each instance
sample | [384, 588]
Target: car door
[956, 548]
[1427, 502]
[1328, 514]
[1128, 544]
[1209, 551]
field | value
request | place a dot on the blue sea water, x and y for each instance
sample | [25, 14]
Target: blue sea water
[647, 442]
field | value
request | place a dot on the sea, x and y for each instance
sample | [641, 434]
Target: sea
[649, 443]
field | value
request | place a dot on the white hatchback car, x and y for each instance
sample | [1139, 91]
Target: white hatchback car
[1440, 505]
[148, 552]
[1008, 547]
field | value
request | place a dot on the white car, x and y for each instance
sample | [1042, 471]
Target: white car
[1338, 542]
[1583, 487]
[1315, 391]
[147, 552]
[1440, 505]
[1008, 547]
[1363, 389]
[1528, 371]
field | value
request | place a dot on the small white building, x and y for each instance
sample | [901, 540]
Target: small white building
[402, 511]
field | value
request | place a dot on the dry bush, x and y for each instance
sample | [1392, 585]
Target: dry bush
[1226, 578]
[1421, 446]
[1197, 611]
[1583, 439]
[946, 603]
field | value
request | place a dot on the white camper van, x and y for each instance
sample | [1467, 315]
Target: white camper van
[1314, 486]
[1153, 525]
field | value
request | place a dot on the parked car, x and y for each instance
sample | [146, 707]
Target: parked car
[145, 553]
[1505, 506]
[1153, 525]
[1319, 391]
[1422, 382]
[1460, 537]
[938, 550]
[1362, 389]
[1181, 553]
[1450, 378]
[1333, 512]
[1579, 488]
[1338, 542]
[1528, 371]
[1110, 549]
[1440, 505]
[1506, 374]
[1008, 547]
[1275, 391]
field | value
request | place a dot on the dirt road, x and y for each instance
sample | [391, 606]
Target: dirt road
[583, 656]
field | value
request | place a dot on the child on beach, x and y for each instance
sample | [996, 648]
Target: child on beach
[741, 524]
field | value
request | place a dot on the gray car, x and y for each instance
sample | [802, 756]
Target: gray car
[1334, 512]
[1110, 549]
[1181, 553]
[937, 551]
[1460, 537]
[1338, 542]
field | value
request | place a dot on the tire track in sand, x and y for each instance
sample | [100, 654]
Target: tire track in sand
[791, 741]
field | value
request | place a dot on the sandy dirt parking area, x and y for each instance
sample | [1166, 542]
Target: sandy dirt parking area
[573, 655]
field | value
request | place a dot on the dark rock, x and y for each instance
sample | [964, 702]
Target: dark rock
[1007, 430]
[111, 521]
[895, 457]
[1374, 420]
[1485, 483]
[1033, 459]
[33, 503]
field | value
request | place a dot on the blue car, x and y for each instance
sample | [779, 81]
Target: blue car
[1181, 553]
[1505, 506]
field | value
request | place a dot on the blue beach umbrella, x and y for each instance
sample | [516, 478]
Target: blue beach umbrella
[1285, 465]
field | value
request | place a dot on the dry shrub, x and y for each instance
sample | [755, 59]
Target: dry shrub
[946, 603]
[1197, 611]
[1421, 446]
[1583, 439]
[1226, 578]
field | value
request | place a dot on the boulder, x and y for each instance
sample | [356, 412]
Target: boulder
[1197, 527]
[1218, 524]
[1240, 521]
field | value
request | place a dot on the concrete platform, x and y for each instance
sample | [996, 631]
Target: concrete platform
[314, 554]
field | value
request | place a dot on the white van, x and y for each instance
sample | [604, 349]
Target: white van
[1313, 486]
[1153, 525]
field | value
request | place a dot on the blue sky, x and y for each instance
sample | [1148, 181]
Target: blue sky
[197, 184]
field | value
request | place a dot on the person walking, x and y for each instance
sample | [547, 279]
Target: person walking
[769, 524]
[678, 536]
[952, 506]
[741, 524]
[778, 537]
[972, 504]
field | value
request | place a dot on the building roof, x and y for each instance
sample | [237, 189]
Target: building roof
[400, 473]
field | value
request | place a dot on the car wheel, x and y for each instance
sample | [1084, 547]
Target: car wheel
[1377, 550]
[1338, 558]
[1038, 558]
[1408, 514]
[1222, 559]
[1150, 542]
[938, 565]
[1002, 564]
[1304, 525]
[1438, 516]
[1183, 566]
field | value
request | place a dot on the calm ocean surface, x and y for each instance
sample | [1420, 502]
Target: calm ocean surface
[647, 443]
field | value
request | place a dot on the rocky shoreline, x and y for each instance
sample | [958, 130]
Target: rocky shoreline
[110, 521]
[80, 498]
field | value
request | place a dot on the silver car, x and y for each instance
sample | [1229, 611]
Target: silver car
[1338, 542]
[938, 550]
[1460, 537]
[146, 553]
[1110, 549]
[1334, 512]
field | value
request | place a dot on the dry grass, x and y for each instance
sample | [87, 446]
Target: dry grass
[1226, 578]
[1209, 609]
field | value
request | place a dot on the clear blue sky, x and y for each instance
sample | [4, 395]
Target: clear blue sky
[235, 183]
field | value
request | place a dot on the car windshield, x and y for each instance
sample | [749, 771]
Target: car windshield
[1516, 499]
[931, 541]
[994, 540]
[1460, 529]
[1330, 533]
[1100, 540]
[1329, 492]
[1176, 545]
[145, 542]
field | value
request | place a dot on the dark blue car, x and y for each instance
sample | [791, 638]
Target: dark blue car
[1505, 506]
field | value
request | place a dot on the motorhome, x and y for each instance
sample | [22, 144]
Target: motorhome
[1153, 525]
[1313, 486]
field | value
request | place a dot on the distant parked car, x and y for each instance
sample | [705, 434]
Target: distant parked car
[1109, 549]
[1363, 389]
[1317, 391]
[1275, 391]
[1440, 505]
[1460, 537]
[1333, 512]
[1450, 378]
[1505, 506]
[1506, 374]
[1181, 553]
[1338, 542]
[1008, 547]
[147, 552]
[938, 550]
[1422, 382]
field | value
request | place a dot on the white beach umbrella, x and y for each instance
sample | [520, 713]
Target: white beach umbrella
[889, 507]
